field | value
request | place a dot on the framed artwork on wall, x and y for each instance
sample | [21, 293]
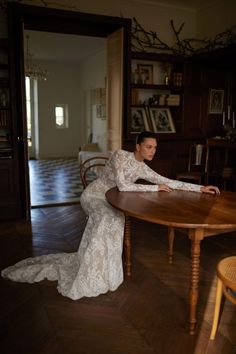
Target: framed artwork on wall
[161, 120]
[139, 120]
[216, 101]
[145, 72]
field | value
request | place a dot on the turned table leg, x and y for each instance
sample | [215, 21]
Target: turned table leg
[127, 245]
[171, 237]
[196, 236]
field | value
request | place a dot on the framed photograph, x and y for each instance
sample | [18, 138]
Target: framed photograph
[216, 101]
[161, 120]
[145, 72]
[101, 111]
[139, 120]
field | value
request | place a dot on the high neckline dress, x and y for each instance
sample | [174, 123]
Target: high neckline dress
[96, 267]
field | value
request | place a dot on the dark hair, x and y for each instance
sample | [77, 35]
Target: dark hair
[145, 135]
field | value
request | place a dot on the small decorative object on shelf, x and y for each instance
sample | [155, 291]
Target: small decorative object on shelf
[135, 78]
[145, 73]
[229, 125]
[167, 69]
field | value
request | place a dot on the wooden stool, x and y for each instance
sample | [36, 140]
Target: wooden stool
[226, 282]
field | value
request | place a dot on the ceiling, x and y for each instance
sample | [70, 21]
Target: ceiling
[186, 4]
[66, 47]
[62, 47]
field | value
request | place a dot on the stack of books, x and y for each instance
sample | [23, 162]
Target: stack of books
[177, 79]
[4, 118]
[173, 100]
[5, 147]
[162, 100]
[227, 172]
[6, 152]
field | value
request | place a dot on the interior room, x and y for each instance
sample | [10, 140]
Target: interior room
[81, 79]
[65, 62]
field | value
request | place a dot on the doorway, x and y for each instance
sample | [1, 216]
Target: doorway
[55, 139]
[60, 21]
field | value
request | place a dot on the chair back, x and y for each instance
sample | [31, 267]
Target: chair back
[226, 271]
[90, 169]
[198, 158]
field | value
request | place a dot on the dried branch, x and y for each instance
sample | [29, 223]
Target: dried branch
[143, 40]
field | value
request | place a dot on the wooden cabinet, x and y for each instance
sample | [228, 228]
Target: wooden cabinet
[9, 188]
[155, 78]
[6, 151]
[156, 93]
[222, 163]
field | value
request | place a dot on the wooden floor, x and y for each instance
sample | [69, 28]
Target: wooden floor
[147, 314]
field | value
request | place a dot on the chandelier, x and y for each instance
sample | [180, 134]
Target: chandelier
[33, 70]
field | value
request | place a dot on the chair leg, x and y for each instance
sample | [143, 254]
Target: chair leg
[171, 237]
[219, 291]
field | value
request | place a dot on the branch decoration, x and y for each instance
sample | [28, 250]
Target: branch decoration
[149, 41]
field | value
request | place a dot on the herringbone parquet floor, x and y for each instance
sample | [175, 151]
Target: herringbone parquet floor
[146, 315]
[54, 182]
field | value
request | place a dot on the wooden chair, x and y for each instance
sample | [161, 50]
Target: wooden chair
[93, 164]
[197, 165]
[226, 284]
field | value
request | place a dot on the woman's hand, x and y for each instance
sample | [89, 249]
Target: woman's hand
[164, 187]
[210, 190]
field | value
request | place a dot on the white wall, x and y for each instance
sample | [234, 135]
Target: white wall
[151, 16]
[93, 73]
[209, 21]
[156, 16]
[62, 86]
[70, 83]
[218, 17]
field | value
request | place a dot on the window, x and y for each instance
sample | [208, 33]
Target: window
[28, 110]
[31, 92]
[61, 116]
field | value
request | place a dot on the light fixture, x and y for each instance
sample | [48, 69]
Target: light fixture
[33, 70]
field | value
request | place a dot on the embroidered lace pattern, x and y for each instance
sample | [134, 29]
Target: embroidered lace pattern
[97, 265]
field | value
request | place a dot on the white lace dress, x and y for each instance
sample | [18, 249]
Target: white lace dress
[97, 265]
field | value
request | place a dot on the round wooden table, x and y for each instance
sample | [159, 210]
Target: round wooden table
[198, 215]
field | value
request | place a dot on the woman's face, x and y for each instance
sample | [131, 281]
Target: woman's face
[146, 150]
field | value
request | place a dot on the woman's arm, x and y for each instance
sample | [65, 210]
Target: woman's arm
[167, 183]
[210, 189]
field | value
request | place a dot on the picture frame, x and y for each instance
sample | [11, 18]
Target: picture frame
[162, 121]
[216, 101]
[145, 72]
[139, 121]
[101, 111]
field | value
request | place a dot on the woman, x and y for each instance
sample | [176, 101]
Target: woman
[97, 266]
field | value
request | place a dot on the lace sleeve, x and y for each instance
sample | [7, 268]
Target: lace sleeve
[154, 177]
[125, 175]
